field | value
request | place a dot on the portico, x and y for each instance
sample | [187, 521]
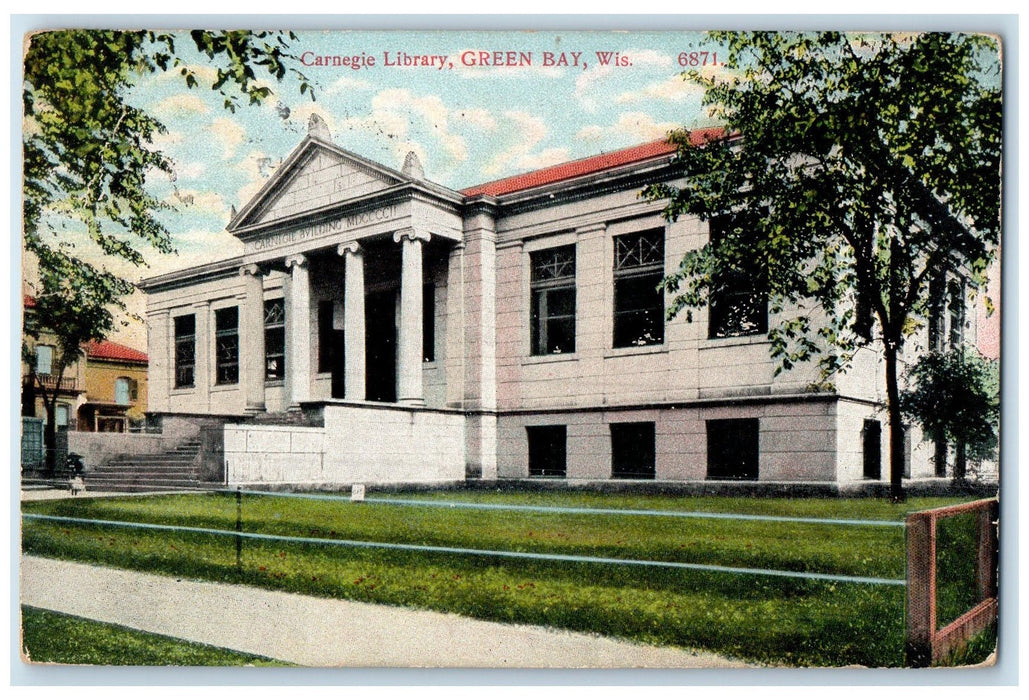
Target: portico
[331, 214]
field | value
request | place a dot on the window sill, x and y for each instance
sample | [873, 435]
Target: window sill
[430, 364]
[634, 350]
[183, 390]
[547, 359]
[734, 341]
[225, 387]
[274, 382]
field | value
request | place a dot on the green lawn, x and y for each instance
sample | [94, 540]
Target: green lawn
[759, 618]
[50, 637]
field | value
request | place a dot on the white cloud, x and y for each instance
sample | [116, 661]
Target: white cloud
[170, 138]
[344, 84]
[648, 57]
[674, 88]
[191, 201]
[190, 171]
[630, 128]
[586, 83]
[479, 118]
[182, 105]
[525, 133]
[195, 247]
[255, 167]
[228, 133]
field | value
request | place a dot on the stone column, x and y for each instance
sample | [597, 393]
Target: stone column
[251, 338]
[298, 341]
[353, 321]
[203, 366]
[409, 341]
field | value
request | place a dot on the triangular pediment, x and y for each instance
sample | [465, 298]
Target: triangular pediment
[315, 175]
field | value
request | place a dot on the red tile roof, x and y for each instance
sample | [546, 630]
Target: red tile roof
[588, 166]
[107, 350]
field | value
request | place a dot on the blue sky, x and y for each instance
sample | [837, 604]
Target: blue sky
[468, 124]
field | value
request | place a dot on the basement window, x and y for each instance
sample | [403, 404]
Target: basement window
[732, 449]
[547, 451]
[632, 451]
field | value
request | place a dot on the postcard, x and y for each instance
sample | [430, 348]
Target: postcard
[501, 349]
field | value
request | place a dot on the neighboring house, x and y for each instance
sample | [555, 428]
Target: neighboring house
[116, 388]
[104, 390]
[509, 330]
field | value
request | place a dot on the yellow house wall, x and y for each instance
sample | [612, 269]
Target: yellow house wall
[100, 377]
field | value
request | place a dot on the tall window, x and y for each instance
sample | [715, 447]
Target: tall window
[185, 350]
[956, 303]
[739, 294]
[226, 335]
[44, 359]
[61, 415]
[553, 301]
[121, 390]
[639, 303]
[274, 339]
[937, 305]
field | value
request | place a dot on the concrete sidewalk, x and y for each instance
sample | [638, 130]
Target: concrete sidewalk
[325, 632]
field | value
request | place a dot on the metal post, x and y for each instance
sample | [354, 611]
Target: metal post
[239, 528]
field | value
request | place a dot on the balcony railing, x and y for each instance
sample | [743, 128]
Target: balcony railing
[50, 382]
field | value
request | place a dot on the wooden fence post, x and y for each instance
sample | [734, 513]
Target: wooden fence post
[921, 598]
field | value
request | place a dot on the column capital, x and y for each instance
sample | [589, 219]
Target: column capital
[298, 260]
[351, 247]
[411, 234]
[249, 270]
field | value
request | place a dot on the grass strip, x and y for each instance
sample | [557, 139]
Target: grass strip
[52, 637]
[816, 623]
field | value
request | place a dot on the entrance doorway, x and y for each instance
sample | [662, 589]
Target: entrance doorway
[872, 449]
[381, 345]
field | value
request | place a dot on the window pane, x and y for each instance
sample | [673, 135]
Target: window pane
[739, 293]
[61, 416]
[639, 311]
[226, 323]
[121, 391]
[44, 359]
[552, 312]
[640, 250]
[185, 350]
[274, 339]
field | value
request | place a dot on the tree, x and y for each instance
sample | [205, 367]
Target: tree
[955, 396]
[857, 169]
[87, 155]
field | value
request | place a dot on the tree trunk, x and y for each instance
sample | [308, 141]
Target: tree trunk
[896, 424]
[50, 436]
[960, 463]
